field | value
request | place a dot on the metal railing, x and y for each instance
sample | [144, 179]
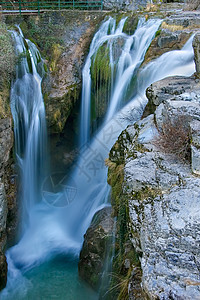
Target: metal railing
[40, 5]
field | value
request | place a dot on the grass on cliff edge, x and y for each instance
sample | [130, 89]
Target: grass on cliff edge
[175, 139]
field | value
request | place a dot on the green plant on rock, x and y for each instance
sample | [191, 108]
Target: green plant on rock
[45, 37]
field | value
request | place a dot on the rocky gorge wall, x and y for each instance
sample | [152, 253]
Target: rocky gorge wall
[162, 189]
[63, 39]
[7, 178]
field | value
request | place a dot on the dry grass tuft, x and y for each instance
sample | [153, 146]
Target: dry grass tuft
[175, 138]
[171, 27]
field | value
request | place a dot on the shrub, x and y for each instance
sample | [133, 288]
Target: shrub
[174, 138]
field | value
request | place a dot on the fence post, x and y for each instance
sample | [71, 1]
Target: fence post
[38, 7]
[59, 4]
[101, 4]
[20, 7]
[73, 4]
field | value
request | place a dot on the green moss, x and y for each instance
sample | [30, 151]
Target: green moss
[44, 35]
[158, 32]
[101, 82]
[146, 193]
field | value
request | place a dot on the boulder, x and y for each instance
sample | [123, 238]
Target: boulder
[94, 249]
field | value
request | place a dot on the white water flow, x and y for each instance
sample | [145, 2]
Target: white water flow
[29, 124]
[107, 31]
[132, 54]
[53, 230]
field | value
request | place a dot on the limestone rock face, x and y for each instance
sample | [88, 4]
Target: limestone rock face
[173, 33]
[6, 143]
[164, 195]
[94, 248]
[196, 46]
[123, 4]
[63, 85]
[174, 88]
[164, 212]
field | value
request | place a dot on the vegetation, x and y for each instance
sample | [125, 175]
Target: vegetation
[7, 55]
[48, 38]
[7, 67]
[101, 79]
[174, 138]
[124, 250]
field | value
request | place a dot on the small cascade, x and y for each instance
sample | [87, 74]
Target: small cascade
[126, 63]
[130, 60]
[28, 112]
[101, 37]
[173, 63]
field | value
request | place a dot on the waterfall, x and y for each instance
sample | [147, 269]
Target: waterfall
[101, 37]
[131, 57]
[29, 123]
[54, 230]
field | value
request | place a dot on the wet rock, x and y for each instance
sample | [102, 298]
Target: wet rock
[3, 271]
[7, 198]
[94, 248]
[3, 210]
[196, 46]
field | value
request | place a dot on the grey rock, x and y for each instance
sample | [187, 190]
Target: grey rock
[195, 153]
[164, 206]
[123, 4]
[186, 19]
[195, 133]
[94, 249]
[174, 88]
[164, 41]
[196, 46]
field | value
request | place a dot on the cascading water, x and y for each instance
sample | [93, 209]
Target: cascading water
[132, 55]
[29, 124]
[99, 39]
[53, 230]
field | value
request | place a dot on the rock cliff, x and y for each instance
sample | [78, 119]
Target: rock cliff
[163, 192]
[63, 39]
[7, 181]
